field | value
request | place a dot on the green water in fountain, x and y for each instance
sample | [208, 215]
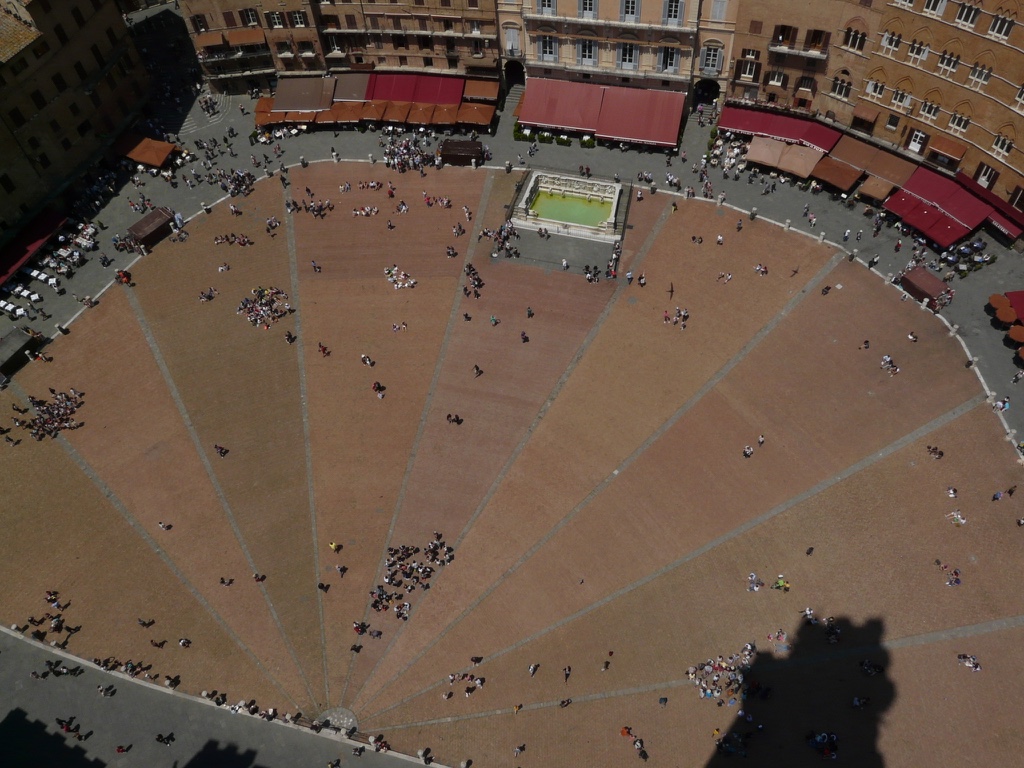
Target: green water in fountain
[571, 209]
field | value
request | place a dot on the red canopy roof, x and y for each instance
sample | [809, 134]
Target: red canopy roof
[561, 105]
[931, 221]
[1007, 210]
[778, 126]
[1005, 226]
[610, 112]
[642, 116]
[29, 241]
[426, 89]
[953, 199]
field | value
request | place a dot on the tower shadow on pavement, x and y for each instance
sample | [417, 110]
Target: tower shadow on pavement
[808, 697]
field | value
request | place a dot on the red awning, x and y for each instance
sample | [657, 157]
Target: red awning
[264, 104]
[1004, 225]
[778, 126]
[990, 197]
[391, 88]
[946, 194]
[435, 89]
[930, 220]
[29, 241]
[561, 105]
[641, 116]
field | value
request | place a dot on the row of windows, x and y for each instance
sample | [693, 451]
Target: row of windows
[249, 17]
[18, 119]
[627, 55]
[928, 110]
[967, 15]
[672, 11]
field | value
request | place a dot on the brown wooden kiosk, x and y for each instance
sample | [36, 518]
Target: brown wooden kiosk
[924, 285]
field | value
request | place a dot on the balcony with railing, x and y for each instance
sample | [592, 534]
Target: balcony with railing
[632, 23]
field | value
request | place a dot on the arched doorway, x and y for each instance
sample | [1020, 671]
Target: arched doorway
[515, 73]
[706, 92]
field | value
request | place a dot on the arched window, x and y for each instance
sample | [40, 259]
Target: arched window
[854, 39]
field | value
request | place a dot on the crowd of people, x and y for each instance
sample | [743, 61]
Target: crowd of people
[399, 278]
[51, 416]
[404, 574]
[267, 306]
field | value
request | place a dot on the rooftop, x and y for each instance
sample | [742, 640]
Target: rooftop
[15, 36]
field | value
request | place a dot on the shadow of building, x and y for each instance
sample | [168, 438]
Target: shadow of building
[26, 743]
[808, 696]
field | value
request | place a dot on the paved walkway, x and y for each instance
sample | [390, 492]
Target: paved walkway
[204, 734]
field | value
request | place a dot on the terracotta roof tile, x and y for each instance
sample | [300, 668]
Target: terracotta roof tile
[15, 36]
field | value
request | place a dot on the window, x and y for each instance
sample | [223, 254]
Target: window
[199, 23]
[747, 65]
[805, 83]
[306, 48]
[350, 21]
[548, 48]
[1000, 27]
[756, 27]
[585, 53]
[58, 83]
[334, 44]
[967, 16]
[112, 37]
[16, 117]
[78, 17]
[904, 3]
[7, 184]
[719, 9]
[929, 111]
[74, 109]
[900, 99]
[547, 7]
[40, 49]
[854, 39]
[958, 123]
[711, 60]
[428, 62]
[875, 90]
[33, 143]
[19, 66]
[275, 20]
[588, 9]
[948, 63]
[935, 7]
[38, 99]
[62, 36]
[1001, 146]
[84, 127]
[841, 88]
[65, 144]
[94, 99]
[627, 55]
[55, 126]
[892, 122]
[979, 76]
[630, 10]
[673, 13]
[669, 59]
[248, 17]
[284, 48]
[985, 175]
[96, 54]
[403, 61]
[777, 79]
[472, 3]
[891, 43]
[298, 19]
[917, 53]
